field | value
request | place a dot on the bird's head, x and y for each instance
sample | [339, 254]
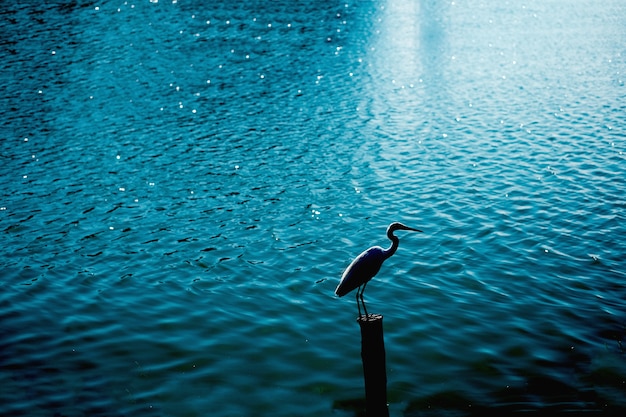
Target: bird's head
[399, 226]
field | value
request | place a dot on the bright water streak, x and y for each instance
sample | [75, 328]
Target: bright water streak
[183, 182]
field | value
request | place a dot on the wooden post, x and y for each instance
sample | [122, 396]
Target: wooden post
[374, 368]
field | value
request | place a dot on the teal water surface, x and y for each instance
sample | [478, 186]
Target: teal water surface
[183, 183]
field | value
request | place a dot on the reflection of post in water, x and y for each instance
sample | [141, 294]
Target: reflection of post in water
[374, 367]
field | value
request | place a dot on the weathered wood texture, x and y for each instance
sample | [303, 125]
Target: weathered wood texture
[374, 367]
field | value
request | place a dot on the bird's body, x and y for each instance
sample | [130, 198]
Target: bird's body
[367, 265]
[363, 268]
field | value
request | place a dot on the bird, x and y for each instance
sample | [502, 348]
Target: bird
[365, 266]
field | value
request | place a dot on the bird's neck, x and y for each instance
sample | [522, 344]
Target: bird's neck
[394, 246]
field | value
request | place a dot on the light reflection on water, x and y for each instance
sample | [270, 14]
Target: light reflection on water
[183, 185]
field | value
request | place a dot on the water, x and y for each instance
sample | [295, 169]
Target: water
[183, 183]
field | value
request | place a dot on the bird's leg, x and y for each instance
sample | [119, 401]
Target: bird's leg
[363, 302]
[357, 301]
[364, 308]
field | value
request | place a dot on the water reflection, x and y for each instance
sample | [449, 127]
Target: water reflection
[433, 41]
[196, 253]
[406, 99]
[408, 44]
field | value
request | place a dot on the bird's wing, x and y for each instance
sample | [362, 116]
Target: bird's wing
[361, 270]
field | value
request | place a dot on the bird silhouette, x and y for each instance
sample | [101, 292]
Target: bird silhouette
[365, 266]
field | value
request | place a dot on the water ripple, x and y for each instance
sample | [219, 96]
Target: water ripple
[183, 184]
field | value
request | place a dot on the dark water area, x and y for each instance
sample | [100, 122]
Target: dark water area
[183, 183]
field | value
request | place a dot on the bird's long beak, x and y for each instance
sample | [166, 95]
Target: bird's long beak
[403, 227]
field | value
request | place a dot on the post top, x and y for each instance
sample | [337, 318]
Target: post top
[369, 318]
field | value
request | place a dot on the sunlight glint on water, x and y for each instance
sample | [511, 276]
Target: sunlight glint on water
[183, 184]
